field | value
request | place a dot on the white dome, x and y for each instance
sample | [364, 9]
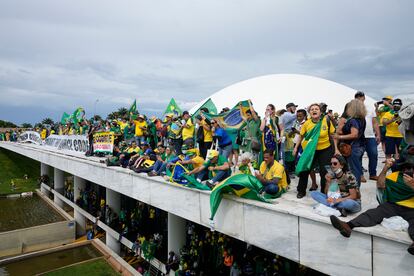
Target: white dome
[280, 89]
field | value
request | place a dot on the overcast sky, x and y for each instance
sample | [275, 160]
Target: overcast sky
[58, 55]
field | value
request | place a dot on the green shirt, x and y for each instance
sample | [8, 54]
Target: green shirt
[220, 161]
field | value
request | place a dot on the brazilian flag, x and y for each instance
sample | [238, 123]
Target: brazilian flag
[209, 104]
[65, 118]
[173, 108]
[311, 140]
[241, 185]
[133, 107]
[77, 115]
[395, 188]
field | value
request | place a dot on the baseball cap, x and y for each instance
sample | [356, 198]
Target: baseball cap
[290, 105]
[212, 154]
[186, 113]
[389, 98]
[397, 102]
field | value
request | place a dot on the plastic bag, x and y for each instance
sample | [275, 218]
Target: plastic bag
[396, 223]
[325, 211]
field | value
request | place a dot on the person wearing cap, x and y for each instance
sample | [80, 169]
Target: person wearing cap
[381, 108]
[339, 179]
[140, 129]
[164, 156]
[216, 168]
[188, 127]
[192, 160]
[393, 137]
[272, 174]
[397, 200]
[252, 134]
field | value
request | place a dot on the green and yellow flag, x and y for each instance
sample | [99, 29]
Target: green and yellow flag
[306, 159]
[212, 109]
[65, 118]
[77, 115]
[241, 185]
[173, 108]
[133, 107]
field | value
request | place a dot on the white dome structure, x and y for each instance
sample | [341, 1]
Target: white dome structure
[280, 89]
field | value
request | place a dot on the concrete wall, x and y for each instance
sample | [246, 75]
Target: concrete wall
[36, 238]
[283, 228]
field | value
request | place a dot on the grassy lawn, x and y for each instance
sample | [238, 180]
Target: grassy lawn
[13, 167]
[99, 268]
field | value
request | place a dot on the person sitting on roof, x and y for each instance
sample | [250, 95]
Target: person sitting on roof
[398, 198]
[217, 167]
[164, 156]
[272, 174]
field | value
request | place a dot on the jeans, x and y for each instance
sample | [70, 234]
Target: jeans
[220, 175]
[159, 167]
[271, 188]
[225, 151]
[355, 162]
[139, 140]
[349, 205]
[372, 152]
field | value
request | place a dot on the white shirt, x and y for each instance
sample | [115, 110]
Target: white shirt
[369, 128]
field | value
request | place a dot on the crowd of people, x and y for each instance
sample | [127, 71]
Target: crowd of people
[282, 145]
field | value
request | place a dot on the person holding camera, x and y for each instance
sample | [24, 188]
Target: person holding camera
[393, 137]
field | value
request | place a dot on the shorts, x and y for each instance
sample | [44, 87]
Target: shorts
[391, 143]
[383, 129]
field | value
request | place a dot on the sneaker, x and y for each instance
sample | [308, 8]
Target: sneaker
[210, 184]
[300, 195]
[411, 249]
[373, 178]
[343, 227]
[363, 180]
[152, 173]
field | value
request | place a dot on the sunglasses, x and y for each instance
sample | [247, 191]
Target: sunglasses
[334, 163]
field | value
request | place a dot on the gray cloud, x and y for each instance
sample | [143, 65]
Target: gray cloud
[60, 55]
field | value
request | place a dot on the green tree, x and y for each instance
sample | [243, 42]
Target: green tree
[122, 112]
[47, 121]
[27, 125]
[6, 124]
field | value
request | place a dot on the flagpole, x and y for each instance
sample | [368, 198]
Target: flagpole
[94, 108]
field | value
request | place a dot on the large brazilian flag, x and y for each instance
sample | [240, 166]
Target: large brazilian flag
[311, 140]
[241, 185]
[173, 108]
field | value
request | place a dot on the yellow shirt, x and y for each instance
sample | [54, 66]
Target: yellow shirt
[391, 129]
[208, 134]
[198, 161]
[133, 150]
[275, 171]
[43, 134]
[122, 125]
[188, 132]
[323, 141]
[138, 130]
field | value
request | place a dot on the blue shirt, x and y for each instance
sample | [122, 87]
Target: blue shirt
[222, 137]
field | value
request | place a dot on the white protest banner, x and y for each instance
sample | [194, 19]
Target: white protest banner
[30, 137]
[68, 143]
